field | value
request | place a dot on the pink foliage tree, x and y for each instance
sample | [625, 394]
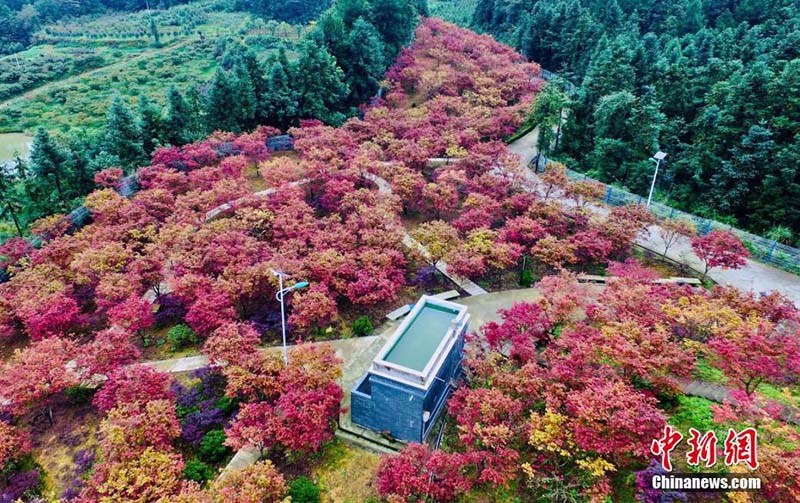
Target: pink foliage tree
[131, 427]
[419, 473]
[134, 314]
[131, 384]
[35, 375]
[720, 249]
[613, 419]
[209, 311]
[109, 178]
[14, 443]
[110, 349]
[49, 315]
[755, 354]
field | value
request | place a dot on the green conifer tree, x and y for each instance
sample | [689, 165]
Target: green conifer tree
[123, 138]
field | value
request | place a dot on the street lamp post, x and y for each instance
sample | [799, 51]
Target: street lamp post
[657, 159]
[281, 293]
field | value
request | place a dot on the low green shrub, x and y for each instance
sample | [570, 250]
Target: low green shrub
[212, 447]
[526, 279]
[693, 412]
[78, 395]
[304, 490]
[226, 405]
[362, 326]
[181, 336]
[197, 471]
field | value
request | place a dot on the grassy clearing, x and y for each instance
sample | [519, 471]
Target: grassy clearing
[41, 64]
[666, 268]
[705, 372]
[693, 412]
[158, 348]
[494, 495]
[787, 395]
[82, 101]
[54, 447]
[346, 474]
[70, 79]
[454, 11]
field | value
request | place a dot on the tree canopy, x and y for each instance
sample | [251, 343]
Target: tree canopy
[714, 84]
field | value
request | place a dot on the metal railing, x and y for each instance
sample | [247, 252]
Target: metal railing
[765, 250]
[548, 76]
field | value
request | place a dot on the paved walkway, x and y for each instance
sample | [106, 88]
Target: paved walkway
[721, 393]
[710, 391]
[754, 276]
[224, 208]
[465, 284]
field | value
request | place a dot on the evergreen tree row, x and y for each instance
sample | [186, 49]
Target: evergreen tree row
[337, 69]
[61, 170]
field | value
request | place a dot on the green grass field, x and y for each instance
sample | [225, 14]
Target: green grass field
[454, 11]
[70, 79]
[82, 101]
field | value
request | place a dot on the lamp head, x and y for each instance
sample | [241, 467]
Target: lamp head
[301, 284]
[659, 156]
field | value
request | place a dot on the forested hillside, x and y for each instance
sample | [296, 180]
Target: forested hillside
[19, 19]
[714, 83]
[140, 353]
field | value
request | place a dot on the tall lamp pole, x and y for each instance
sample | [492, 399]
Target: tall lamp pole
[657, 159]
[281, 293]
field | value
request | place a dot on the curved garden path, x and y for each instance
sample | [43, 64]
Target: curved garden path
[354, 351]
[754, 276]
[465, 284]
[188, 363]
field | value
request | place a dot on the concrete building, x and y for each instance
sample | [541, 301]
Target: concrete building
[408, 383]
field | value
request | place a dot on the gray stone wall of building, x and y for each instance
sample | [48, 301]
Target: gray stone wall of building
[385, 405]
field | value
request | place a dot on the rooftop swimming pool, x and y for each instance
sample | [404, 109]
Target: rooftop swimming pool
[422, 336]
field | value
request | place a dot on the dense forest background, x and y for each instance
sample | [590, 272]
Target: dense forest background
[714, 83]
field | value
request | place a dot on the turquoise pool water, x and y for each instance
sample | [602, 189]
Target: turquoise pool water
[415, 347]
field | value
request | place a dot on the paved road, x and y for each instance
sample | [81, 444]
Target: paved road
[754, 276]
